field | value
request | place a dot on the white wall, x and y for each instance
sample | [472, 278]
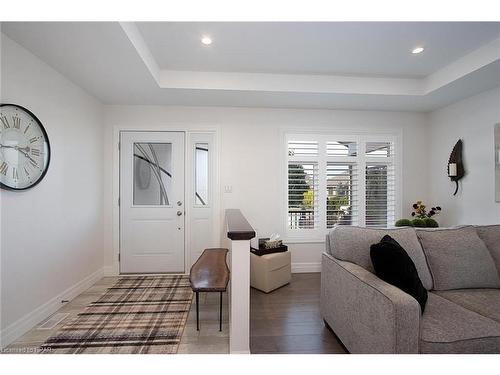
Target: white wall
[473, 121]
[250, 156]
[51, 235]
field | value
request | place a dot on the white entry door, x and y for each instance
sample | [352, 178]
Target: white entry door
[151, 202]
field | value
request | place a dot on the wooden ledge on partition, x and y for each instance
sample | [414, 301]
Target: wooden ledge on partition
[238, 228]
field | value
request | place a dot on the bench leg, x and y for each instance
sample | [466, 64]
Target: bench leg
[220, 312]
[197, 311]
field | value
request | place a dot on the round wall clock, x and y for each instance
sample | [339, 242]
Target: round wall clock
[24, 148]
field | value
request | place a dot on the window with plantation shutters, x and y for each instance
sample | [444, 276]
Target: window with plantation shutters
[339, 180]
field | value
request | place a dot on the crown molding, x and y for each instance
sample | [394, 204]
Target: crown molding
[311, 84]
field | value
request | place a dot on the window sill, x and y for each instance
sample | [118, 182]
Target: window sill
[292, 240]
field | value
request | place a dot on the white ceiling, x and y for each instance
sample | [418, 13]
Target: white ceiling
[339, 48]
[119, 63]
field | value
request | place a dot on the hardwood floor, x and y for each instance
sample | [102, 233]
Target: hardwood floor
[288, 320]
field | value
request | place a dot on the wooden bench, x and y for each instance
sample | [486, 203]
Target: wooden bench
[209, 274]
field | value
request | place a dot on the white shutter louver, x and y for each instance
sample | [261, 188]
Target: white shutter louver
[302, 148]
[341, 148]
[379, 149]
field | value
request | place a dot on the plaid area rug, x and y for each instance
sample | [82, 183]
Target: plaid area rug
[141, 314]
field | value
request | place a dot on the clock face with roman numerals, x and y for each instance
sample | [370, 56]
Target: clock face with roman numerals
[24, 148]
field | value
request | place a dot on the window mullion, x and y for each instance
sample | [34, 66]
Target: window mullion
[322, 186]
[362, 182]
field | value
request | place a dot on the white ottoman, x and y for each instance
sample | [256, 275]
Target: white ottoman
[269, 272]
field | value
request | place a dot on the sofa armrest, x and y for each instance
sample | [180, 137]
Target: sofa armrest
[366, 313]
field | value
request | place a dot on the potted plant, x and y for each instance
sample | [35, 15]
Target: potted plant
[421, 217]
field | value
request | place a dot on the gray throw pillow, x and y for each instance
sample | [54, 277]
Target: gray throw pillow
[352, 244]
[458, 259]
[490, 234]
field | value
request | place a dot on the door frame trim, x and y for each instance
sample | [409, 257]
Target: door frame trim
[114, 269]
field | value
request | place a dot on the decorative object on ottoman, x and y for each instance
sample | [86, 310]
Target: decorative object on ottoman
[263, 249]
[271, 271]
[273, 241]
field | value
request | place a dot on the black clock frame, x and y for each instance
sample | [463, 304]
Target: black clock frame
[6, 187]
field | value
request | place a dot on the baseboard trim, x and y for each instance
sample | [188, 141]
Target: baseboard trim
[306, 267]
[30, 320]
[110, 271]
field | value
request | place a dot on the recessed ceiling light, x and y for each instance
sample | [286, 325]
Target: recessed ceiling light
[206, 40]
[417, 50]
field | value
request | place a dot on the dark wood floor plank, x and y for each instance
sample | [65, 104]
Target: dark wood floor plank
[288, 320]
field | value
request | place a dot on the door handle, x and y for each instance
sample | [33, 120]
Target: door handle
[179, 213]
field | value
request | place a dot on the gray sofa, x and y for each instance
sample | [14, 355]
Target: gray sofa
[460, 267]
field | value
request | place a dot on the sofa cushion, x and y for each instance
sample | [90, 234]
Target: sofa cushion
[490, 234]
[458, 259]
[393, 265]
[483, 301]
[449, 328]
[352, 244]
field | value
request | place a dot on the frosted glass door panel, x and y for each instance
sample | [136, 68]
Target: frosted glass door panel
[152, 174]
[201, 174]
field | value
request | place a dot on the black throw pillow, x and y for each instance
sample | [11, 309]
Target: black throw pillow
[393, 265]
